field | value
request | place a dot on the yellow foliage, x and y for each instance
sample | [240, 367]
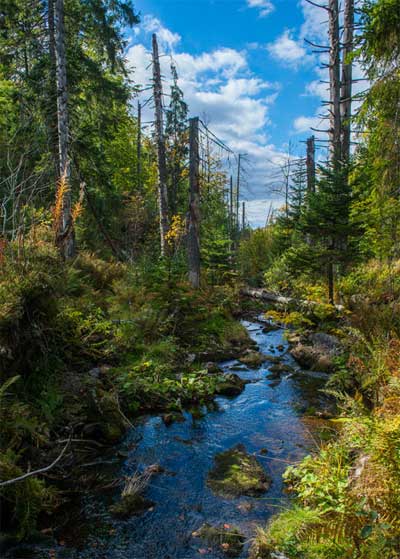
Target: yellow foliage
[62, 190]
[176, 230]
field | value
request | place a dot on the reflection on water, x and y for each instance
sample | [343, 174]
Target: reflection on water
[265, 418]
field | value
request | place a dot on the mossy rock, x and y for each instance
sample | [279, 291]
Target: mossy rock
[227, 538]
[131, 505]
[230, 385]
[253, 359]
[236, 473]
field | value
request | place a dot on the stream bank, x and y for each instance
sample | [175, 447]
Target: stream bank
[266, 418]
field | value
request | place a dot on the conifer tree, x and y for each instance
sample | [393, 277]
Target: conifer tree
[177, 145]
[326, 220]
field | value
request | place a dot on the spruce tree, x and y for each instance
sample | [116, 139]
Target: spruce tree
[177, 146]
[326, 221]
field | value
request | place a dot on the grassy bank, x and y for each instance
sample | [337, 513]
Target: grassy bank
[346, 494]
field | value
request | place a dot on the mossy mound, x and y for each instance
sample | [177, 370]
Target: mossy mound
[130, 505]
[237, 473]
[227, 538]
[230, 385]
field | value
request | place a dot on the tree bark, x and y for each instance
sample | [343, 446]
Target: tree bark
[194, 205]
[347, 78]
[139, 147]
[310, 164]
[52, 108]
[334, 81]
[161, 155]
[238, 192]
[65, 237]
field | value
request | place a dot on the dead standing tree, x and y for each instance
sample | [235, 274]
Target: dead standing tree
[347, 79]
[65, 236]
[334, 84]
[161, 153]
[194, 205]
[310, 164]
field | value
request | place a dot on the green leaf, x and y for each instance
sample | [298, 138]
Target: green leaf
[366, 531]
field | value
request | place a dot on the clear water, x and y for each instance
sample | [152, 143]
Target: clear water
[265, 416]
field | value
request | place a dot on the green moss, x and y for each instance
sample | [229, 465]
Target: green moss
[238, 473]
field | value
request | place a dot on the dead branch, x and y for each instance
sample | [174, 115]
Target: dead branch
[37, 472]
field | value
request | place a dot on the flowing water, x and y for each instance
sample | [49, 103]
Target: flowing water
[266, 415]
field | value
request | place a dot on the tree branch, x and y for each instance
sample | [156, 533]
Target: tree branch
[37, 472]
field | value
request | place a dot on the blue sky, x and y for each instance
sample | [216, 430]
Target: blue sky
[245, 67]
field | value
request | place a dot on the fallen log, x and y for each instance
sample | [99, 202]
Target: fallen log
[271, 297]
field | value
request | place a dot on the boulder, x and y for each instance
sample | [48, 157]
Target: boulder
[312, 358]
[316, 351]
[230, 385]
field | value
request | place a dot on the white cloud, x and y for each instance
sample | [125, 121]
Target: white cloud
[225, 60]
[305, 123]
[287, 50]
[257, 211]
[166, 37]
[265, 7]
[315, 26]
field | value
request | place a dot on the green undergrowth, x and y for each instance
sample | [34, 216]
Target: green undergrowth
[141, 331]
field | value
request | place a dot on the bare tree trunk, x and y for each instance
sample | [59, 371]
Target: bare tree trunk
[231, 207]
[65, 237]
[310, 164]
[160, 139]
[139, 147]
[238, 191]
[194, 205]
[347, 78]
[334, 81]
[52, 108]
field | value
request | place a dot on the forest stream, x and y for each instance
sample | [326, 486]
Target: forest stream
[269, 418]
